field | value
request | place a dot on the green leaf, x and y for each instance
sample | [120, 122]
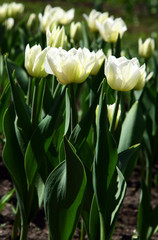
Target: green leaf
[6, 198]
[105, 159]
[4, 101]
[64, 191]
[20, 106]
[81, 131]
[94, 224]
[115, 196]
[144, 213]
[13, 160]
[127, 160]
[20, 74]
[108, 182]
[147, 217]
[132, 128]
[36, 153]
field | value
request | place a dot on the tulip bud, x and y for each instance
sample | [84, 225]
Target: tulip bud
[146, 49]
[111, 28]
[56, 38]
[110, 112]
[31, 23]
[123, 74]
[34, 61]
[9, 23]
[71, 66]
[75, 31]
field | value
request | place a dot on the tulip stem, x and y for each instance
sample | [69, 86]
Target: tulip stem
[113, 122]
[37, 101]
[73, 107]
[30, 89]
[112, 48]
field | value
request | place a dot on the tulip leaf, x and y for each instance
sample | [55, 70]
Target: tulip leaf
[21, 108]
[4, 101]
[108, 181]
[132, 128]
[36, 154]
[6, 198]
[64, 191]
[81, 131]
[147, 218]
[20, 74]
[127, 160]
[115, 196]
[105, 159]
[13, 160]
[94, 225]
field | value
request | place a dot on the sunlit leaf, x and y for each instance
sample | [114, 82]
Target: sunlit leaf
[64, 191]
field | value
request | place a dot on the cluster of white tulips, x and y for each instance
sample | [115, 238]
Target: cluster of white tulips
[75, 65]
[9, 12]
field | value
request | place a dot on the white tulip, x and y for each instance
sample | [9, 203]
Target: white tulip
[146, 49]
[75, 31]
[66, 16]
[93, 16]
[111, 28]
[69, 66]
[56, 37]
[15, 9]
[34, 61]
[123, 74]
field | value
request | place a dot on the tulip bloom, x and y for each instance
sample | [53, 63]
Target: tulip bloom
[111, 28]
[93, 16]
[66, 17]
[146, 49]
[69, 66]
[123, 74]
[15, 9]
[56, 37]
[34, 61]
[50, 17]
[75, 31]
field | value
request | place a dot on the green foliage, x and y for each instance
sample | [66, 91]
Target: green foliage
[58, 152]
[64, 191]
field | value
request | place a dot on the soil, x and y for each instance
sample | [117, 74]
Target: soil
[127, 218]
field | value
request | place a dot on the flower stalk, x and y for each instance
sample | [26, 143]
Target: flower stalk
[39, 90]
[113, 122]
[73, 107]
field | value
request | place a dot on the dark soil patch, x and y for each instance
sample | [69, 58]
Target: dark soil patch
[127, 219]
